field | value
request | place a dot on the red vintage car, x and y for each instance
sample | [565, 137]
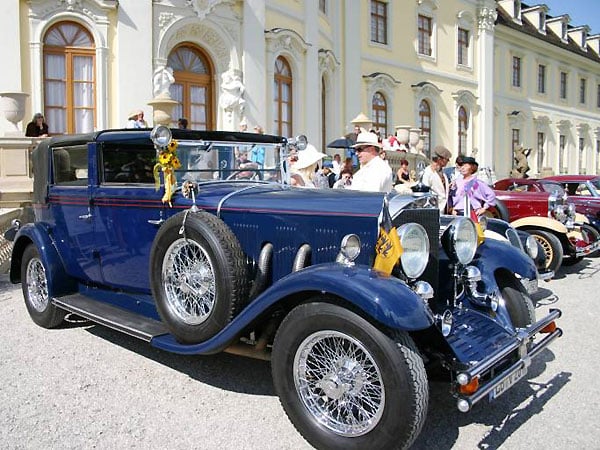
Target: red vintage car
[549, 217]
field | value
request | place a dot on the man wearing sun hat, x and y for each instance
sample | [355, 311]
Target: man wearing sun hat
[435, 178]
[375, 174]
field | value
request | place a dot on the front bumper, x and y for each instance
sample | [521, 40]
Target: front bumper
[497, 384]
[584, 249]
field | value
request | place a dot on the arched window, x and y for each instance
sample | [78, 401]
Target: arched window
[282, 98]
[379, 107]
[425, 125]
[193, 87]
[463, 127]
[69, 79]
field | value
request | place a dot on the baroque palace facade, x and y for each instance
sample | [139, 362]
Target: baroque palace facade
[479, 76]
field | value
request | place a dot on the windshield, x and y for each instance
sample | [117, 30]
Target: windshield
[553, 187]
[595, 187]
[210, 161]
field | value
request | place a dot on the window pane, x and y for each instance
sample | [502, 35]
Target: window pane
[198, 94]
[83, 94]
[55, 93]
[84, 120]
[83, 68]
[54, 66]
[56, 118]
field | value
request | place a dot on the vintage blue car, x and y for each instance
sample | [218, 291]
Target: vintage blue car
[351, 295]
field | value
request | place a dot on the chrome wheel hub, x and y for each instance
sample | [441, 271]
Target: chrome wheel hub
[37, 285]
[339, 383]
[188, 281]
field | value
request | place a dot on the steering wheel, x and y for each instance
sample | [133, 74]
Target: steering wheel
[245, 174]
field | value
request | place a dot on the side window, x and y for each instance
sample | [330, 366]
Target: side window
[70, 165]
[127, 163]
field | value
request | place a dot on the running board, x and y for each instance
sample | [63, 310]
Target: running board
[111, 316]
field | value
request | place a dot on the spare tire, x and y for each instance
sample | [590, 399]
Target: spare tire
[198, 275]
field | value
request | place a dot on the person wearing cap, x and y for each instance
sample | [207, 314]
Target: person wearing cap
[305, 167]
[375, 174]
[481, 196]
[435, 178]
[37, 127]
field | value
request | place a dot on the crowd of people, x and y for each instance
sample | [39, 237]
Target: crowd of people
[454, 187]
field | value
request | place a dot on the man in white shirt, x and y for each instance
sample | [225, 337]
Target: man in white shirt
[375, 174]
[435, 178]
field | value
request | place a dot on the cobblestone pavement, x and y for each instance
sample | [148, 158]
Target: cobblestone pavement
[84, 386]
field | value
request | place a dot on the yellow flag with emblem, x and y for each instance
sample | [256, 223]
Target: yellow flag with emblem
[388, 247]
[470, 212]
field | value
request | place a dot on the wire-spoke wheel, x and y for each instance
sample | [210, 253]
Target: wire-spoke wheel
[198, 275]
[552, 248]
[344, 383]
[189, 281]
[339, 382]
[34, 283]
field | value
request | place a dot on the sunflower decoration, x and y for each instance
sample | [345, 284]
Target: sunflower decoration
[167, 162]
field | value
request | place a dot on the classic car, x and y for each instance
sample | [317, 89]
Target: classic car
[550, 217]
[167, 236]
[584, 191]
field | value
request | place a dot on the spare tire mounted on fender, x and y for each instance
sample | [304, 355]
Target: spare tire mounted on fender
[198, 275]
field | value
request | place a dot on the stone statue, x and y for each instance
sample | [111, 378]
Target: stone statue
[162, 80]
[232, 92]
[521, 166]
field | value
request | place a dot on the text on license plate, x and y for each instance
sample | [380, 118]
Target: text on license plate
[507, 383]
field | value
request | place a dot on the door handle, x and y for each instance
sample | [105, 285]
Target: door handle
[87, 216]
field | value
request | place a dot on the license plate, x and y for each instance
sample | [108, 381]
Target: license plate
[507, 383]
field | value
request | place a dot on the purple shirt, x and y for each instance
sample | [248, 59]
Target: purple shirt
[480, 194]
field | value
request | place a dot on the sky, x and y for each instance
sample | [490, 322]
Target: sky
[581, 12]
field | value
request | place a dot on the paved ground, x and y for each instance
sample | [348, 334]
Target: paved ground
[85, 386]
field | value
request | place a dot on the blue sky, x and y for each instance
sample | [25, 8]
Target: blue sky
[582, 12]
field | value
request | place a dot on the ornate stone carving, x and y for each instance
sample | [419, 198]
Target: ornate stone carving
[232, 91]
[279, 39]
[203, 7]
[162, 80]
[208, 38]
[466, 98]
[327, 61]
[486, 16]
[164, 19]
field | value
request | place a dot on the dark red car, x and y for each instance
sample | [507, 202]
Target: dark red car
[584, 191]
[544, 211]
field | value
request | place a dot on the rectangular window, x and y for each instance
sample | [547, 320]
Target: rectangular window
[581, 155]
[69, 165]
[379, 22]
[562, 142]
[541, 79]
[425, 32]
[563, 85]
[516, 71]
[323, 6]
[463, 47]
[582, 84]
[515, 140]
[541, 138]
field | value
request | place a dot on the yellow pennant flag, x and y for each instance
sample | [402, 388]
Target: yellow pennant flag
[470, 212]
[388, 247]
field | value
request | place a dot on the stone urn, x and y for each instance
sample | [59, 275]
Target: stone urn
[413, 139]
[162, 106]
[12, 111]
[402, 133]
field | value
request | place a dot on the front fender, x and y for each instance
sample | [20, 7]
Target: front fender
[540, 222]
[59, 283]
[386, 299]
[493, 255]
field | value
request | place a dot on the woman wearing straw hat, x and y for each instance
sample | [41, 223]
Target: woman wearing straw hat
[304, 168]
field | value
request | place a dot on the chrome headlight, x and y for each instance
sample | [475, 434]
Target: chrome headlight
[531, 246]
[349, 248]
[161, 136]
[559, 213]
[460, 240]
[552, 202]
[571, 209]
[415, 246]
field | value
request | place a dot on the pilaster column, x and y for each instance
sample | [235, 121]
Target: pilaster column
[312, 83]
[255, 66]
[486, 15]
[11, 53]
[353, 87]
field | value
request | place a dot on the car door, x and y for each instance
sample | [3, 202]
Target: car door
[127, 212]
[70, 207]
